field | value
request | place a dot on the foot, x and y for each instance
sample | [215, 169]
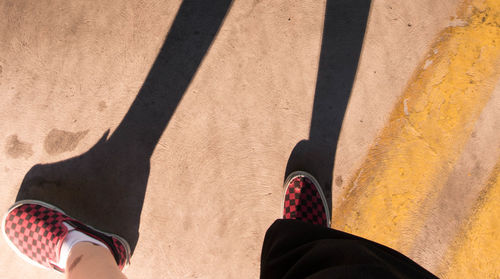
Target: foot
[304, 200]
[36, 231]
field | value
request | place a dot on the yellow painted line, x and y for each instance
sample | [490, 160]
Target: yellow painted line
[414, 154]
[476, 251]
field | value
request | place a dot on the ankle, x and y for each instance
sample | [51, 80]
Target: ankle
[87, 255]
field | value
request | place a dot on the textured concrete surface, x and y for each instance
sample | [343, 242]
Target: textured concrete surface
[180, 120]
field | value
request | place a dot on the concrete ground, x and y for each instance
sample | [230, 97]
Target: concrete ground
[174, 123]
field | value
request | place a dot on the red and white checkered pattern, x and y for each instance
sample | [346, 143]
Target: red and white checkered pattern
[303, 201]
[35, 230]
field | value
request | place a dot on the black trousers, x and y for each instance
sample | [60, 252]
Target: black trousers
[295, 249]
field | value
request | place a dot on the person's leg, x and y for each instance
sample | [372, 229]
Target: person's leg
[296, 249]
[87, 260]
[302, 245]
[46, 237]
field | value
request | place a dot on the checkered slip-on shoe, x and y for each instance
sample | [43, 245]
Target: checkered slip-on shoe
[304, 200]
[35, 231]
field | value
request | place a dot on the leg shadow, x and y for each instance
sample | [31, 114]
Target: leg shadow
[343, 33]
[105, 186]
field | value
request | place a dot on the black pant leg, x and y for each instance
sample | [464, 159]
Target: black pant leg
[295, 249]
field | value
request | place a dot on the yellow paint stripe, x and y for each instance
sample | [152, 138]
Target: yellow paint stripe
[413, 156]
[476, 251]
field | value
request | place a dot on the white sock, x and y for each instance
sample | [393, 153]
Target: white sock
[73, 237]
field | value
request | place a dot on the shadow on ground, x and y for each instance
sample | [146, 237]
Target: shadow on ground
[105, 186]
[343, 33]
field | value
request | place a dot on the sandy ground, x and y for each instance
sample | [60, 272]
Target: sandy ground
[179, 118]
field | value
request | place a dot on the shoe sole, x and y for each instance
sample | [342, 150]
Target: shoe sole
[316, 184]
[55, 208]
